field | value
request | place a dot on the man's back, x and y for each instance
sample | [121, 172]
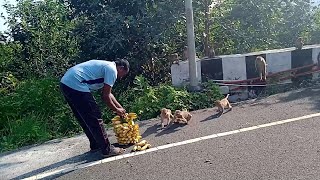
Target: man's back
[90, 75]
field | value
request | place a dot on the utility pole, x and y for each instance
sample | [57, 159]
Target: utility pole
[206, 27]
[191, 47]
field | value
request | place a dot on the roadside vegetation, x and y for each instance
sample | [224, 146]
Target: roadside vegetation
[47, 37]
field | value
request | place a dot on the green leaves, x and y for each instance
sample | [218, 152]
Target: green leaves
[140, 30]
[35, 112]
[51, 35]
[147, 101]
[44, 30]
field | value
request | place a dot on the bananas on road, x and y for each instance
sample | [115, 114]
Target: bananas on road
[142, 145]
[126, 130]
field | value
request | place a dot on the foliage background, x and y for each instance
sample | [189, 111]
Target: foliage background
[47, 37]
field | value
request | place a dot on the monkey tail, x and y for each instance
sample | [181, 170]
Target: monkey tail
[227, 96]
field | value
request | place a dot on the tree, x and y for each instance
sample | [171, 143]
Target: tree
[144, 31]
[44, 30]
[250, 25]
[315, 32]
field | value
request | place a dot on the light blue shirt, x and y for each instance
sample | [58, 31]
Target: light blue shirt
[90, 75]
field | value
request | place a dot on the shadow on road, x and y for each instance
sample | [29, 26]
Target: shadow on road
[313, 93]
[215, 116]
[6, 165]
[80, 159]
[265, 104]
[212, 117]
[150, 130]
[170, 129]
[154, 129]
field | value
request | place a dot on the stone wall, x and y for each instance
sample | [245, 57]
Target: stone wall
[242, 66]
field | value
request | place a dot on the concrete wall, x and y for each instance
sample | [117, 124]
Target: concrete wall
[241, 66]
[315, 54]
[180, 73]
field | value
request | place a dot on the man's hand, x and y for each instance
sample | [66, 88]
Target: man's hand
[111, 101]
[121, 112]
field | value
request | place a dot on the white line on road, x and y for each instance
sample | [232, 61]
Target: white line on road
[62, 171]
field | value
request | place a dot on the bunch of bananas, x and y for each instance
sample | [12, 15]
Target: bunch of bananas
[126, 131]
[143, 145]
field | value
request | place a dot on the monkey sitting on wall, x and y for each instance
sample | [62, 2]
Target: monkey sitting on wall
[211, 52]
[174, 58]
[261, 67]
[185, 55]
[299, 43]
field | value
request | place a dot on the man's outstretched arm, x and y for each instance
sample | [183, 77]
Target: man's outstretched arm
[111, 101]
[118, 105]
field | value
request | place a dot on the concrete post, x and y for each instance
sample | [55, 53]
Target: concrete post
[191, 47]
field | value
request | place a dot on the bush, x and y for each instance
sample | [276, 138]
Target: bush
[27, 130]
[8, 83]
[147, 101]
[36, 111]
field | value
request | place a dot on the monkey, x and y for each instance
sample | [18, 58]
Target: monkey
[261, 67]
[182, 117]
[174, 58]
[165, 116]
[299, 43]
[222, 104]
[185, 56]
[212, 53]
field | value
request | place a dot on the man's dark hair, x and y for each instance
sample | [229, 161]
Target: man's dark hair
[123, 63]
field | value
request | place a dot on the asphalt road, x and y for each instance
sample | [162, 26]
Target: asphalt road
[280, 151]
[284, 151]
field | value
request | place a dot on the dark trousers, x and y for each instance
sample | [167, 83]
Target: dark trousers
[89, 116]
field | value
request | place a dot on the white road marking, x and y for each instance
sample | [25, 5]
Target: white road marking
[110, 159]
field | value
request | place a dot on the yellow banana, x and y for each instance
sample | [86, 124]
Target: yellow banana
[116, 122]
[135, 148]
[118, 126]
[144, 147]
[116, 118]
[125, 124]
[125, 128]
[142, 143]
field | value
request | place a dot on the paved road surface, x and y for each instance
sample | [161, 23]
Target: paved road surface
[288, 150]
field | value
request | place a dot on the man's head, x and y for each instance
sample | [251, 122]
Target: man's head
[122, 67]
